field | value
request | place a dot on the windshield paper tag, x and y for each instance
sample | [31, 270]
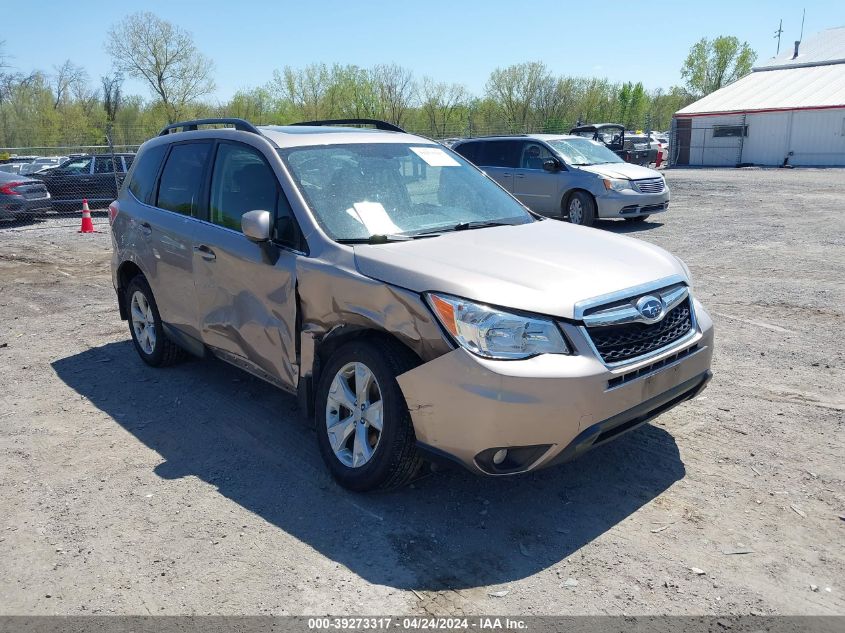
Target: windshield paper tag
[435, 157]
[374, 217]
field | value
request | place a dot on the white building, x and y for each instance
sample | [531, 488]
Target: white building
[790, 110]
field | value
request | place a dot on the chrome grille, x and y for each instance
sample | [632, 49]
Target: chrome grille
[650, 185]
[619, 343]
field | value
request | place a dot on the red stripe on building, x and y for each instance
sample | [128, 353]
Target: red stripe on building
[681, 115]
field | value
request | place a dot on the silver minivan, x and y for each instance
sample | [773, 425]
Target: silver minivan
[417, 310]
[569, 177]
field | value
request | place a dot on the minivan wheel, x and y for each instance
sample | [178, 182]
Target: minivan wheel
[580, 209]
[364, 429]
[148, 335]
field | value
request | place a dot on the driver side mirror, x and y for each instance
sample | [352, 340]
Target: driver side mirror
[551, 165]
[256, 225]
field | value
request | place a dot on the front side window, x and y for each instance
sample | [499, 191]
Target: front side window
[580, 151]
[533, 156]
[181, 179]
[359, 190]
[242, 181]
[77, 166]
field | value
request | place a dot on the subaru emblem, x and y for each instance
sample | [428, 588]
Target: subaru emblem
[650, 307]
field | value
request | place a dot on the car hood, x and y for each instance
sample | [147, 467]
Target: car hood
[621, 170]
[543, 267]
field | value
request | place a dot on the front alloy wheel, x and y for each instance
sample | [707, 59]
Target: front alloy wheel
[581, 209]
[364, 429]
[354, 415]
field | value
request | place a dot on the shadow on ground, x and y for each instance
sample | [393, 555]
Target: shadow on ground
[621, 226]
[451, 530]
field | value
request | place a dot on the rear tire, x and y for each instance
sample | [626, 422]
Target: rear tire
[580, 209]
[637, 219]
[146, 328]
[357, 393]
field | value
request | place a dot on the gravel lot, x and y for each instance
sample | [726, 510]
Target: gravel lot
[125, 489]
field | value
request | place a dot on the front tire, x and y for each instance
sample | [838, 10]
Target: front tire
[145, 326]
[581, 209]
[364, 429]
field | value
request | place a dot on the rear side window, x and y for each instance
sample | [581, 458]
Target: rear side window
[181, 180]
[143, 178]
[468, 151]
[104, 165]
[499, 154]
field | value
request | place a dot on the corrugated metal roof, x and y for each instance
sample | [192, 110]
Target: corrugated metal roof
[788, 89]
[815, 79]
[824, 46]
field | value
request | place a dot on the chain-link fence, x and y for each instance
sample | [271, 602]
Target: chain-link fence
[54, 181]
[50, 181]
[701, 143]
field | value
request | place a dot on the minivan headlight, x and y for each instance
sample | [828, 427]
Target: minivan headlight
[618, 184]
[494, 333]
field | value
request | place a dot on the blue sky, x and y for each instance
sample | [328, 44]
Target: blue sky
[455, 41]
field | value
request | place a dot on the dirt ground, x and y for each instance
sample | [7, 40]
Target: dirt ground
[195, 490]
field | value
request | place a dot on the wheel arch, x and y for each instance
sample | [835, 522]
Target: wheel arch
[333, 340]
[127, 271]
[564, 203]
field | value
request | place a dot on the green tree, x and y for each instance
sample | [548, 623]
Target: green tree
[164, 56]
[712, 64]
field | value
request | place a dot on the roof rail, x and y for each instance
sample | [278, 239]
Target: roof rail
[379, 125]
[188, 126]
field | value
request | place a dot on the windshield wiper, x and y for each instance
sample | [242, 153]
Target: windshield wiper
[463, 226]
[384, 238]
[379, 238]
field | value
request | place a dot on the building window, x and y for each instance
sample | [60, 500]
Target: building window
[720, 131]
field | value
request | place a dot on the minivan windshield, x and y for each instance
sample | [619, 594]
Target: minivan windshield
[582, 151]
[357, 191]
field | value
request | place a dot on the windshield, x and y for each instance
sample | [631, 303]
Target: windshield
[359, 190]
[580, 151]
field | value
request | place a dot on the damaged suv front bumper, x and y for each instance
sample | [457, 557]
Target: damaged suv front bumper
[499, 417]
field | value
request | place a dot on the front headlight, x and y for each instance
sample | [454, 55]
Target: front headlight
[493, 333]
[617, 184]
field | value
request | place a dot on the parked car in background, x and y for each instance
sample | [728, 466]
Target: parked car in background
[416, 309]
[90, 177]
[11, 168]
[21, 196]
[568, 177]
[639, 149]
[40, 164]
[611, 135]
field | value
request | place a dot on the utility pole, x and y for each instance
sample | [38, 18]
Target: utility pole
[777, 35]
[803, 15]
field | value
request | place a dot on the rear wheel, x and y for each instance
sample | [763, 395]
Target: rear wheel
[145, 326]
[581, 209]
[364, 429]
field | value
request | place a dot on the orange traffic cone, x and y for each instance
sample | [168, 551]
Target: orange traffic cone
[87, 224]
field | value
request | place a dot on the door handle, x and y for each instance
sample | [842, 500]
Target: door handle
[520, 175]
[205, 252]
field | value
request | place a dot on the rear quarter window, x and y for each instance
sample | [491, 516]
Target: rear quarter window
[142, 177]
[468, 151]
